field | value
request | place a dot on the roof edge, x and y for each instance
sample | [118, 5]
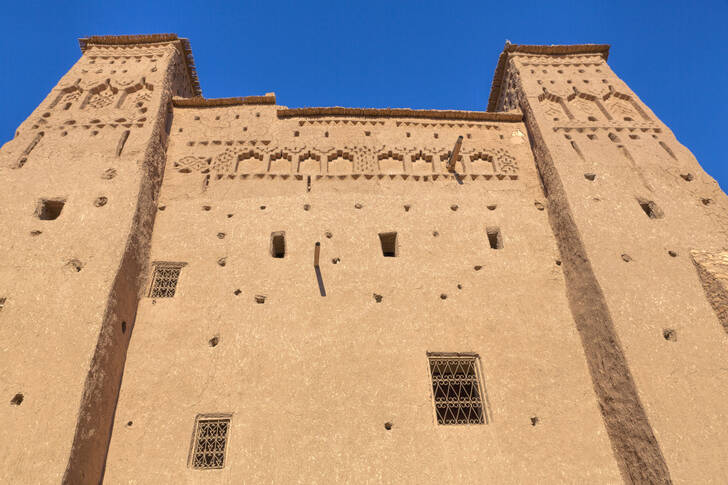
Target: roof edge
[400, 113]
[182, 44]
[548, 50]
[200, 102]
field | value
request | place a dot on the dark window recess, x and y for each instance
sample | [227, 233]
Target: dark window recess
[2, 303]
[456, 389]
[651, 209]
[49, 209]
[164, 280]
[389, 244]
[278, 244]
[494, 237]
[210, 442]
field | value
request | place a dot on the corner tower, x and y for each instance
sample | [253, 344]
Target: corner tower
[85, 169]
[632, 212]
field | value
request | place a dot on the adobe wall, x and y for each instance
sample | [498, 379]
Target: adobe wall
[71, 284]
[603, 155]
[311, 380]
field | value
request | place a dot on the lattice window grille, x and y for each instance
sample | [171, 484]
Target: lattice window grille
[456, 389]
[210, 442]
[164, 280]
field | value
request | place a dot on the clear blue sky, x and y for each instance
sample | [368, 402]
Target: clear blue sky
[418, 54]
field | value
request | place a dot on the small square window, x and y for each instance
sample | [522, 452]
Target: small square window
[456, 388]
[49, 209]
[388, 241]
[278, 244]
[164, 279]
[209, 442]
[495, 239]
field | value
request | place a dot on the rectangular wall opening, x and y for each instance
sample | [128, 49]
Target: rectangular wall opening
[209, 443]
[49, 209]
[278, 244]
[651, 209]
[388, 240]
[495, 238]
[164, 279]
[456, 389]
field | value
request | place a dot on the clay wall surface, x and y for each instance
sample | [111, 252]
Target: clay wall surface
[70, 284]
[310, 380]
[641, 203]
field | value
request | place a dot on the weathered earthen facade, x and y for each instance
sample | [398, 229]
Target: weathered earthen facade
[546, 303]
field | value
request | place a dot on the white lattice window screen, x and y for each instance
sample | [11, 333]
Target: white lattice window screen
[164, 280]
[456, 389]
[210, 442]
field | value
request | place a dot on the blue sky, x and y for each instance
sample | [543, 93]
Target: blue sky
[418, 54]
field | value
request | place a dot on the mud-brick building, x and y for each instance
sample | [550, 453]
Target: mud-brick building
[229, 290]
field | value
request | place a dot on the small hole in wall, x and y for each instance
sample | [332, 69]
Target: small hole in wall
[436, 135]
[306, 207]
[222, 261]
[407, 207]
[123, 327]
[706, 201]
[214, 341]
[94, 133]
[229, 216]
[296, 133]
[237, 292]
[669, 334]
[260, 299]
[494, 237]
[492, 207]
[568, 137]
[336, 260]
[74, 265]
[387, 425]
[634, 137]
[262, 207]
[328, 235]
[100, 201]
[592, 137]
[217, 118]
[627, 118]
[129, 424]
[36, 233]
[197, 118]
[257, 115]
[688, 177]
[278, 244]
[162, 207]
[539, 205]
[17, 400]
[454, 207]
[672, 253]
[206, 207]
[477, 267]
[237, 117]
[49, 209]
[558, 262]
[468, 136]
[326, 134]
[534, 420]
[460, 287]
[367, 133]
[358, 205]
[435, 233]
[591, 118]
[221, 235]
[408, 134]
[651, 209]
[590, 176]
[443, 296]
[377, 298]
[388, 241]
[64, 133]
[626, 258]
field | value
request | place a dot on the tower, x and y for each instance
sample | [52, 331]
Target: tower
[530, 293]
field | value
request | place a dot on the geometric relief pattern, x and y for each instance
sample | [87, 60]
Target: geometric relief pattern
[164, 280]
[210, 441]
[264, 158]
[456, 390]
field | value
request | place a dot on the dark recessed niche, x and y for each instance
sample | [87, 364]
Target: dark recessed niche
[214, 341]
[388, 241]
[669, 334]
[377, 297]
[534, 420]
[278, 244]
[495, 238]
[492, 207]
[387, 425]
[626, 258]
[237, 292]
[123, 327]
[49, 209]
[17, 399]
[651, 209]
[590, 176]
[260, 299]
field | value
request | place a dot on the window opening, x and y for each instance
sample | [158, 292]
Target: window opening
[388, 241]
[210, 442]
[49, 209]
[164, 279]
[456, 389]
[494, 237]
[278, 244]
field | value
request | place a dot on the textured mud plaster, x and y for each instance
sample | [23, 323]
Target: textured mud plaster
[96, 414]
[633, 441]
[713, 272]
